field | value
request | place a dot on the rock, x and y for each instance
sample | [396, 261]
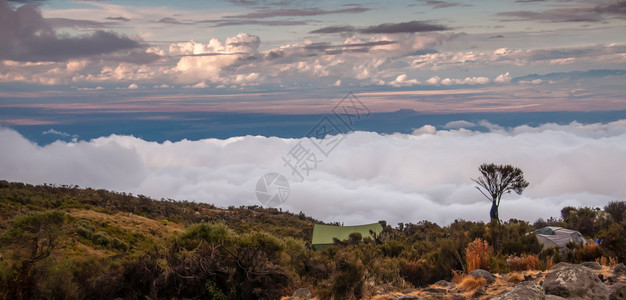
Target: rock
[618, 292]
[559, 266]
[575, 281]
[433, 290]
[480, 273]
[523, 291]
[554, 297]
[612, 279]
[592, 265]
[446, 284]
[481, 291]
[527, 277]
[408, 291]
[301, 293]
[408, 297]
[620, 269]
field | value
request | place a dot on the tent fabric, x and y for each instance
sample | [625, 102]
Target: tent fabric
[323, 234]
[558, 237]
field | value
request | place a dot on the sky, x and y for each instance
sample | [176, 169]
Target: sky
[146, 56]
[198, 99]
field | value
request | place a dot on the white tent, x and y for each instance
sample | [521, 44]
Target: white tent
[558, 237]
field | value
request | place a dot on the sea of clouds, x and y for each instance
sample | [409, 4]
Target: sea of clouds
[367, 177]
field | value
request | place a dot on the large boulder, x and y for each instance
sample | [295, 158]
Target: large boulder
[575, 282]
[618, 291]
[554, 297]
[560, 265]
[524, 291]
[446, 284]
[592, 265]
[620, 269]
[480, 273]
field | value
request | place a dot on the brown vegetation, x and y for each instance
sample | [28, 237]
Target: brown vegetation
[72, 243]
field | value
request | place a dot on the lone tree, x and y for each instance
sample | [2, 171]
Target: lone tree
[497, 180]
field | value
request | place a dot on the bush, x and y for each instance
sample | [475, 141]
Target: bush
[418, 273]
[119, 244]
[523, 263]
[84, 228]
[589, 252]
[477, 255]
[617, 210]
[348, 280]
[393, 248]
[613, 241]
[497, 264]
[100, 238]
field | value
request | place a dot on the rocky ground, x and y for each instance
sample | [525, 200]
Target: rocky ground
[563, 281]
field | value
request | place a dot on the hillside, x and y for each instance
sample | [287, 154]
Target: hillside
[73, 243]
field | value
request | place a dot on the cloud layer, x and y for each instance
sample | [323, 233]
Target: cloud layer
[26, 36]
[367, 177]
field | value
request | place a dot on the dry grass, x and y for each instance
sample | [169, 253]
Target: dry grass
[457, 276]
[470, 283]
[515, 277]
[130, 222]
[477, 255]
[549, 262]
[523, 263]
[609, 262]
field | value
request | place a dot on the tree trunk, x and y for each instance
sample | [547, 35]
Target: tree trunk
[493, 213]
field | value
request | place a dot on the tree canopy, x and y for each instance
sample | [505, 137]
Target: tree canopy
[497, 180]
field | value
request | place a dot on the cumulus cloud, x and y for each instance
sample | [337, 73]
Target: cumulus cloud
[595, 54]
[459, 124]
[503, 78]
[402, 80]
[56, 132]
[26, 36]
[474, 80]
[200, 62]
[366, 178]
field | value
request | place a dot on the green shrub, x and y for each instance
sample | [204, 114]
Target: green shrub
[418, 273]
[617, 210]
[84, 228]
[589, 252]
[497, 264]
[393, 248]
[100, 238]
[213, 292]
[119, 244]
[348, 279]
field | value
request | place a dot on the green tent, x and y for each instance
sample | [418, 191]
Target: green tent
[323, 234]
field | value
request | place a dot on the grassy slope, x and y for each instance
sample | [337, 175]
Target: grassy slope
[136, 221]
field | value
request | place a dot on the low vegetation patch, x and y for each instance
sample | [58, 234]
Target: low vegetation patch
[72, 243]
